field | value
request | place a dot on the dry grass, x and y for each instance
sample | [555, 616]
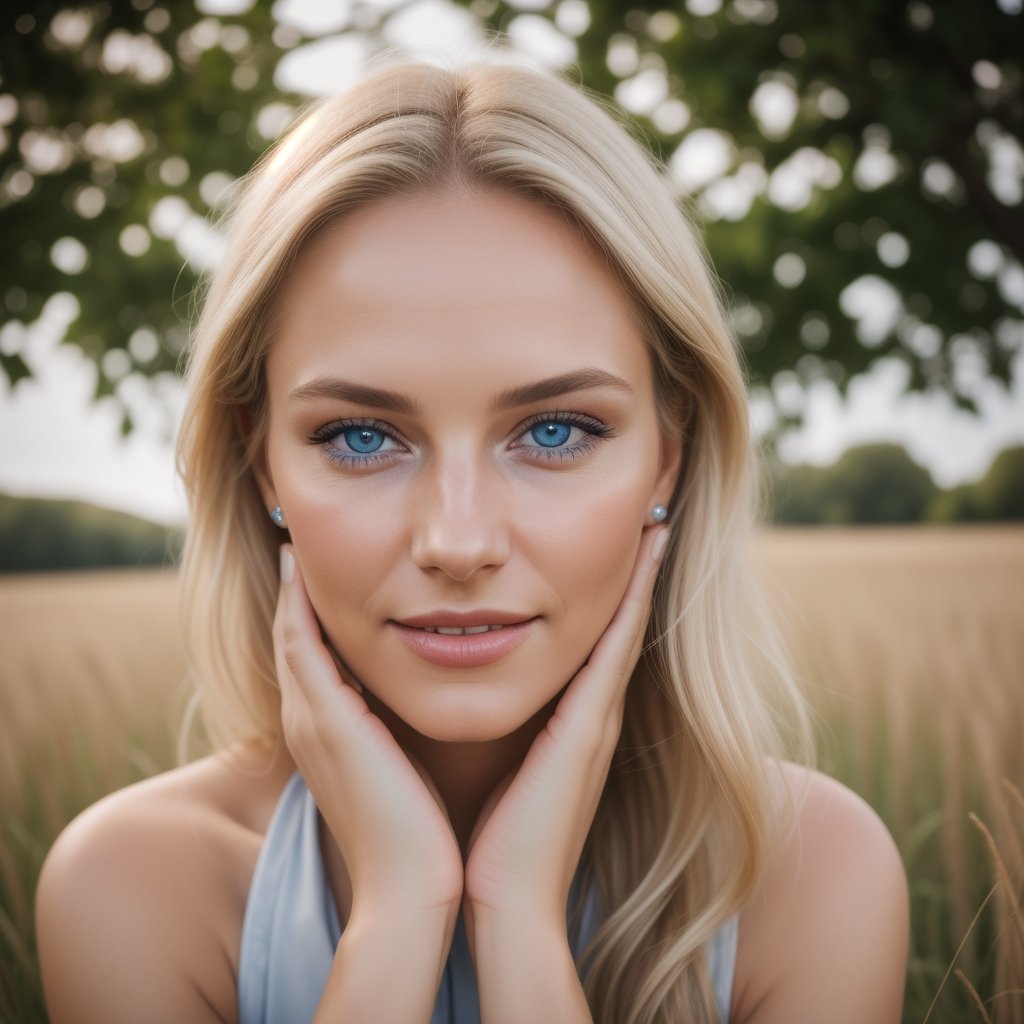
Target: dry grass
[91, 661]
[911, 643]
[91, 690]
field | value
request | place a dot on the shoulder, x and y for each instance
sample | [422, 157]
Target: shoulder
[140, 901]
[825, 937]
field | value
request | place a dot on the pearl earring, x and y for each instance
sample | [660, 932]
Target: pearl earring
[278, 516]
[659, 513]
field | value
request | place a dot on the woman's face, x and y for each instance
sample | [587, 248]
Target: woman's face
[462, 434]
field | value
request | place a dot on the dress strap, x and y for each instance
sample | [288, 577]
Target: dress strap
[290, 928]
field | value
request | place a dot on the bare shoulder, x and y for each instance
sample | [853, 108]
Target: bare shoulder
[140, 900]
[826, 936]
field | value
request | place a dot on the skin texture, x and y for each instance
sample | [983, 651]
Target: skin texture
[448, 790]
[466, 513]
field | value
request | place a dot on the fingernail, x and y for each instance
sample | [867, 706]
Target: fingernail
[659, 544]
[287, 564]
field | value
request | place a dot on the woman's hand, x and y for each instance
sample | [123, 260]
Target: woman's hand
[399, 850]
[527, 843]
[384, 813]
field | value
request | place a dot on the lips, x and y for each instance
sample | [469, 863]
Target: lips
[459, 630]
[471, 618]
[463, 639]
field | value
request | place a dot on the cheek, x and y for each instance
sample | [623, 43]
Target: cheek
[585, 545]
[345, 543]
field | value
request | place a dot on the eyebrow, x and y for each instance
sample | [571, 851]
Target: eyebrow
[359, 394]
[551, 387]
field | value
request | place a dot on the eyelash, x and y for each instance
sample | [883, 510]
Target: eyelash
[594, 430]
[327, 433]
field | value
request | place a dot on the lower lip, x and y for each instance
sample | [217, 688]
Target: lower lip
[468, 650]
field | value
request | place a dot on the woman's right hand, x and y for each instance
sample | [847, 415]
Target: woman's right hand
[385, 814]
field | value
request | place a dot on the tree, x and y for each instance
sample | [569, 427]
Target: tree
[857, 167]
[38, 534]
[869, 484]
[999, 494]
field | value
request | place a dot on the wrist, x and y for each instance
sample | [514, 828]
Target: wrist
[397, 894]
[382, 917]
[547, 916]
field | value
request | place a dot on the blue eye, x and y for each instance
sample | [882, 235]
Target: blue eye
[357, 444]
[364, 440]
[551, 434]
[561, 436]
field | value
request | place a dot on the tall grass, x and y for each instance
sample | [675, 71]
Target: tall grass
[91, 690]
[911, 643]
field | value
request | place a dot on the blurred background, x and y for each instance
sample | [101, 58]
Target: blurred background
[858, 174]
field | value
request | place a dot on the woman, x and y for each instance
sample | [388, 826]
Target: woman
[501, 721]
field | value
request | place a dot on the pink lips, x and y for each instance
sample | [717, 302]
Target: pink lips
[468, 650]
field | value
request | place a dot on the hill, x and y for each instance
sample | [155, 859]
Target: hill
[40, 534]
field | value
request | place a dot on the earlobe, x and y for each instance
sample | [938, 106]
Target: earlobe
[668, 473]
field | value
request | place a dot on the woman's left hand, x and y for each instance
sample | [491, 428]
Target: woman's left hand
[527, 842]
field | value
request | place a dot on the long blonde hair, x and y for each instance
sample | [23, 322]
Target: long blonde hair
[689, 811]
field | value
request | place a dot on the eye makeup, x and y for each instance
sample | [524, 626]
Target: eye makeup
[364, 443]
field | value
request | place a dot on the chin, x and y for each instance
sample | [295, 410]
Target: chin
[465, 732]
[457, 717]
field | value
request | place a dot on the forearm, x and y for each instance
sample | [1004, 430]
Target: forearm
[526, 972]
[387, 968]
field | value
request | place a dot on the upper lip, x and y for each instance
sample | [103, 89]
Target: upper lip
[476, 617]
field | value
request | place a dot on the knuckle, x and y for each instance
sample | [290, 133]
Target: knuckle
[593, 734]
[291, 655]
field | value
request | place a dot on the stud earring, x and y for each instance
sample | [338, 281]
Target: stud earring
[277, 515]
[659, 513]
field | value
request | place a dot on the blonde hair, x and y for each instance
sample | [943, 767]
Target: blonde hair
[689, 811]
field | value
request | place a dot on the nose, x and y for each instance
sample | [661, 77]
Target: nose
[460, 525]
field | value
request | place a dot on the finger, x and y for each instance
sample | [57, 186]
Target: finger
[631, 616]
[302, 655]
[344, 672]
[616, 652]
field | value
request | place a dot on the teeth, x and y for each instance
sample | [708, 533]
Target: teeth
[459, 630]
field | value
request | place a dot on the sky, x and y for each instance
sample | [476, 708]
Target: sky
[55, 441]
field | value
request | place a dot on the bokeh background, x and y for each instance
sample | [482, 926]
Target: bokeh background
[857, 171]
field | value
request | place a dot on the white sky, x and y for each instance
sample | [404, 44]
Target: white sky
[56, 442]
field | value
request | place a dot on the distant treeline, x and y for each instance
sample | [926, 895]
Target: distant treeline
[876, 483]
[37, 534]
[881, 483]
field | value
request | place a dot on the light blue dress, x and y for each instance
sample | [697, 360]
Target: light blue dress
[291, 930]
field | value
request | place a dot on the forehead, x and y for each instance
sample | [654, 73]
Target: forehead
[468, 280]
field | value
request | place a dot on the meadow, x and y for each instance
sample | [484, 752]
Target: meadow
[910, 643]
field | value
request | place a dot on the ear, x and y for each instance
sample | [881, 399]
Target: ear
[669, 467]
[260, 466]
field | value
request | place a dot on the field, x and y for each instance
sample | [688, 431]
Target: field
[910, 642]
